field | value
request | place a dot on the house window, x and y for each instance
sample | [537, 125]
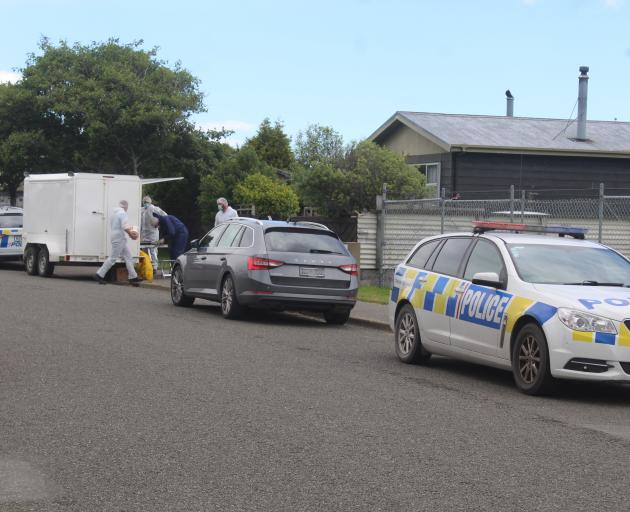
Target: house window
[432, 176]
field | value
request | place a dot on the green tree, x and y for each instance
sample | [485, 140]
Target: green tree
[318, 144]
[358, 179]
[23, 144]
[270, 196]
[272, 145]
[222, 180]
[114, 107]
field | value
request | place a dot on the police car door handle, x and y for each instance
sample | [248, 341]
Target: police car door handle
[461, 288]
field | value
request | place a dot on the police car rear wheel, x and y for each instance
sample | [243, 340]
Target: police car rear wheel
[530, 361]
[409, 347]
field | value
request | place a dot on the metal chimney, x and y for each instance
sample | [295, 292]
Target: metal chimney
[582, 97]
[510, 103]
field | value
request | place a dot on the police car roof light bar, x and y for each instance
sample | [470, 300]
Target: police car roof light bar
[483, 226]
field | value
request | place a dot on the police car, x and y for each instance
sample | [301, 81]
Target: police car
[10, 233]
[539, 301]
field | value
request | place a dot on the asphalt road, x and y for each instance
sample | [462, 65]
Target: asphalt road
[111, 399]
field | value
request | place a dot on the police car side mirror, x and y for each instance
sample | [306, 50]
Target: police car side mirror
[488, 279]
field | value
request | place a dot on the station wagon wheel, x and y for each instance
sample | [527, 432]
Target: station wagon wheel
[409, 347]
[230, 306]
[30, 260]
[178, 296]
[530, 361]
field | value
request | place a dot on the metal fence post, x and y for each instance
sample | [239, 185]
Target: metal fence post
[380, 236]
[522, 207]
[600, 213]
[511, 203]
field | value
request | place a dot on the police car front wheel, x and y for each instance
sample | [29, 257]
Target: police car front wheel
[409, 347]
[530, 361]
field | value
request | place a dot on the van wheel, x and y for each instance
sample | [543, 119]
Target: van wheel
[30, 260]
[409, 347]
[230, 306]
[530, 361]
[44, 267]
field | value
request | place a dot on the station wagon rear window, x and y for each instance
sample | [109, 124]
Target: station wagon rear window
[303, 241]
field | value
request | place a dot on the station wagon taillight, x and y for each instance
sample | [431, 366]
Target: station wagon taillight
[350, 268]
[256, 263]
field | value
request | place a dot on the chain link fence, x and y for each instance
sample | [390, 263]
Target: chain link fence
[400, 224]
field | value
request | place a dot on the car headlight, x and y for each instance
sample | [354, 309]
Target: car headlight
[580, 321]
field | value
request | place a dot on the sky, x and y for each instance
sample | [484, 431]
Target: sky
[351, 64]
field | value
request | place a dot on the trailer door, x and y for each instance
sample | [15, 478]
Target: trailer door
[90, 219]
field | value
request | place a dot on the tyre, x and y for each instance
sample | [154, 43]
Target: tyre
[30, 260]
[530, 361]
[409, 347]
[335, 317]
[44, 267]
[230, 306]
[178, 296]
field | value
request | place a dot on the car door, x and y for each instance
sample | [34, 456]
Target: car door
[217, 256]
[196, 258]
[434, 296]
[477, 325]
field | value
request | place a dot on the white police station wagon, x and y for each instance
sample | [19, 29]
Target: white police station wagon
[543, 306]
[10, 233]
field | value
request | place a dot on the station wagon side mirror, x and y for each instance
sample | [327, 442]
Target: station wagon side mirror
[490, 279]
[194, 244]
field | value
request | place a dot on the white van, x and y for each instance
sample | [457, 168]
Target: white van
[66, 217]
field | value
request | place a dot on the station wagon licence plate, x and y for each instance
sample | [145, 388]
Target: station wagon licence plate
[312, 272]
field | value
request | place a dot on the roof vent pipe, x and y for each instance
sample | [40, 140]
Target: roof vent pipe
[582, 97]
[510, 103]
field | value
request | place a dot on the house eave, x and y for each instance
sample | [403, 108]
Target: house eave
[543, 152]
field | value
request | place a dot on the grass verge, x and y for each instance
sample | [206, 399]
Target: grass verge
[375, 294]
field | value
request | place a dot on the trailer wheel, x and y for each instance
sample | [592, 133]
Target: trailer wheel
[44, 267]
[30, 260]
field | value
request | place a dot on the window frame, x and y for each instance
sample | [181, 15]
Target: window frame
[436, 241]
[503, 276]
[460, 269]
[220, 229]
[423, 168]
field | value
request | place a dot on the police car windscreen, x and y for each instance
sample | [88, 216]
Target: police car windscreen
[566, 264]
[11, 220]
[302, 240]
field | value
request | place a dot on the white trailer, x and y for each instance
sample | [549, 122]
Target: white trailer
[66, 217]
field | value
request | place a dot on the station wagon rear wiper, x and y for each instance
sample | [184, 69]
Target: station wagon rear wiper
[323, 251]
[595, 283]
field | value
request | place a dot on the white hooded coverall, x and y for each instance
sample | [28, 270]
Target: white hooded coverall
[119, 222]
[149, 233]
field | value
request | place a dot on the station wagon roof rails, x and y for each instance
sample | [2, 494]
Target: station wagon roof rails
[312, 224]
[480, 227]
[257, 221]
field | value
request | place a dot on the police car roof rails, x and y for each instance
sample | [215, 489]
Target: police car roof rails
[483, 226]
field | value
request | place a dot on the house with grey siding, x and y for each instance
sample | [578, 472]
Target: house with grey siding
[481, 156]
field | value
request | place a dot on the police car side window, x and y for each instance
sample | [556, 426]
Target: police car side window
[484, 258]
[422, 255]
[450, 257]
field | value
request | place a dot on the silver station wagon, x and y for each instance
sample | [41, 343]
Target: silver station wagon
[268, 264]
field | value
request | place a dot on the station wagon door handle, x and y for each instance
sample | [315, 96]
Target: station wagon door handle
[223, 259]
[202, 258]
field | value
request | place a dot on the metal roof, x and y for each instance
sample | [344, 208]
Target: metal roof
[454, 131]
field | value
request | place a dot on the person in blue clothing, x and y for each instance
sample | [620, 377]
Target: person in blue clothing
[172, 230]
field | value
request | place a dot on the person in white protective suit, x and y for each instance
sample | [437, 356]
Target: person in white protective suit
[149, 234]
[119, 223]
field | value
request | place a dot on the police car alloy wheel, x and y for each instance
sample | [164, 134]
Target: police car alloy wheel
[530, 361]
[409, 347]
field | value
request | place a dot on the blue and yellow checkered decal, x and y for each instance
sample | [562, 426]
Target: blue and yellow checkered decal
[475, 304]
[10, 238]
